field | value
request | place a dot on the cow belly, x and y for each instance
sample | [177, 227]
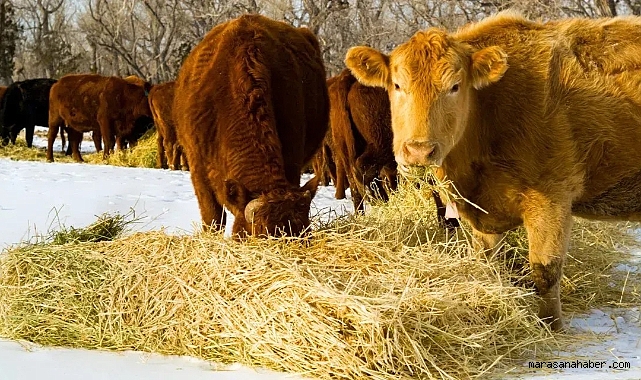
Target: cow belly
[621, 201]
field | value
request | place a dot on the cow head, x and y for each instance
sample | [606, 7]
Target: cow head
[430, 80]
[272, 213]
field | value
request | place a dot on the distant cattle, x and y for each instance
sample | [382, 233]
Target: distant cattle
[90, 102]
[25, 104]
[532, 123]
[251, 109]
[170, 152]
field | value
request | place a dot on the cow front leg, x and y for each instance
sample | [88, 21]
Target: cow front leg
[161, 159]
[28, 134]
[96, 136]
[211, 212]
[74, 142]
[51, 138]
[548, 226]
[107, 138]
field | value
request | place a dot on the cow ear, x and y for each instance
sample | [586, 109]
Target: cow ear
[369, 66]
[488, 66]
[236, 196]
[311, 186]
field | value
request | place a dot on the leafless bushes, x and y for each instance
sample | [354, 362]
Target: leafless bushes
[150, 38]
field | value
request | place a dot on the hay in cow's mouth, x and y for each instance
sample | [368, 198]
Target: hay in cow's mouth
[383, 296]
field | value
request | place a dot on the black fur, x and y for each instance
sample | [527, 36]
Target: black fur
[25, 104]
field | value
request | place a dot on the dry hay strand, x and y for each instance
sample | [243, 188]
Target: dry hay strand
[383, 296]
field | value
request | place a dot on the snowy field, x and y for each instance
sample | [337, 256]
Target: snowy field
[36, 196]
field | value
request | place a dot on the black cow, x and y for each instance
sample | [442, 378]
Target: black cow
[25, 104]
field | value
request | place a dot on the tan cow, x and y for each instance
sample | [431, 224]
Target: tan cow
[531, 122]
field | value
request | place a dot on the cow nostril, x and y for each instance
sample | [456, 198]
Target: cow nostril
[420, 149]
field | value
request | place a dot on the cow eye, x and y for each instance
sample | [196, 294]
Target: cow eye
[454, 89]
[397, 87]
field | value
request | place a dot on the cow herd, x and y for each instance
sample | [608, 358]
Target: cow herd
[532, 122]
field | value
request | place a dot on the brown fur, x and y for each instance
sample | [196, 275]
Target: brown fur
[89, 102]
[161, 99]
[532, 122]
[251, 109]
[3, 89]
[361, 134]
[323, 165]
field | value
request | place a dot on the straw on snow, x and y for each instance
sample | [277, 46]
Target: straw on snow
[142, 155]
[385, 295]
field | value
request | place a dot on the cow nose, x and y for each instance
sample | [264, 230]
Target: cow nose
[419, 152]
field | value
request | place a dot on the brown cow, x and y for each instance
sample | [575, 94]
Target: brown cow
[361, 135]
[90, 102]
[251, 109]
[161, 98]
[532, 123]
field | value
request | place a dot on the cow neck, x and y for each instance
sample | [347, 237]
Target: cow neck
[461, 164]
[265, 182]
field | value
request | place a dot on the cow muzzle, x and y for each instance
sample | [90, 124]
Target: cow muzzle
[419, 153]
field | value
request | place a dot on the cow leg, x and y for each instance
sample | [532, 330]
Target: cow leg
[62, 137]
[74, 142]
[341, 178]
[96, 136]
[51, 137]
[185, 164]
[119, 143]
[107, 137]
[28, 134]
[484, 241]
[548, 226]
[13, 135]
[161, 159]
[211, 212]
[175, 156]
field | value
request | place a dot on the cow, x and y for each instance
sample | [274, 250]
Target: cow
[251, 109]
[533, 123]
[25, 104]
[3, 89]
[170, 152]
[91, 102]
[361, 135]
[361, 129]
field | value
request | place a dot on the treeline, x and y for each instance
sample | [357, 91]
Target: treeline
[150, 38]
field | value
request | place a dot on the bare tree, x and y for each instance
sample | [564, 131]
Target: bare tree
[8, 39]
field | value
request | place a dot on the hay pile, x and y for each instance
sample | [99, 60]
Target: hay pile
[142, 155]
[381, 296]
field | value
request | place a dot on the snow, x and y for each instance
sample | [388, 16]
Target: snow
[36, 196]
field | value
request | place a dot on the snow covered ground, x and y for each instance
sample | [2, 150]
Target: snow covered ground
[35, 196]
